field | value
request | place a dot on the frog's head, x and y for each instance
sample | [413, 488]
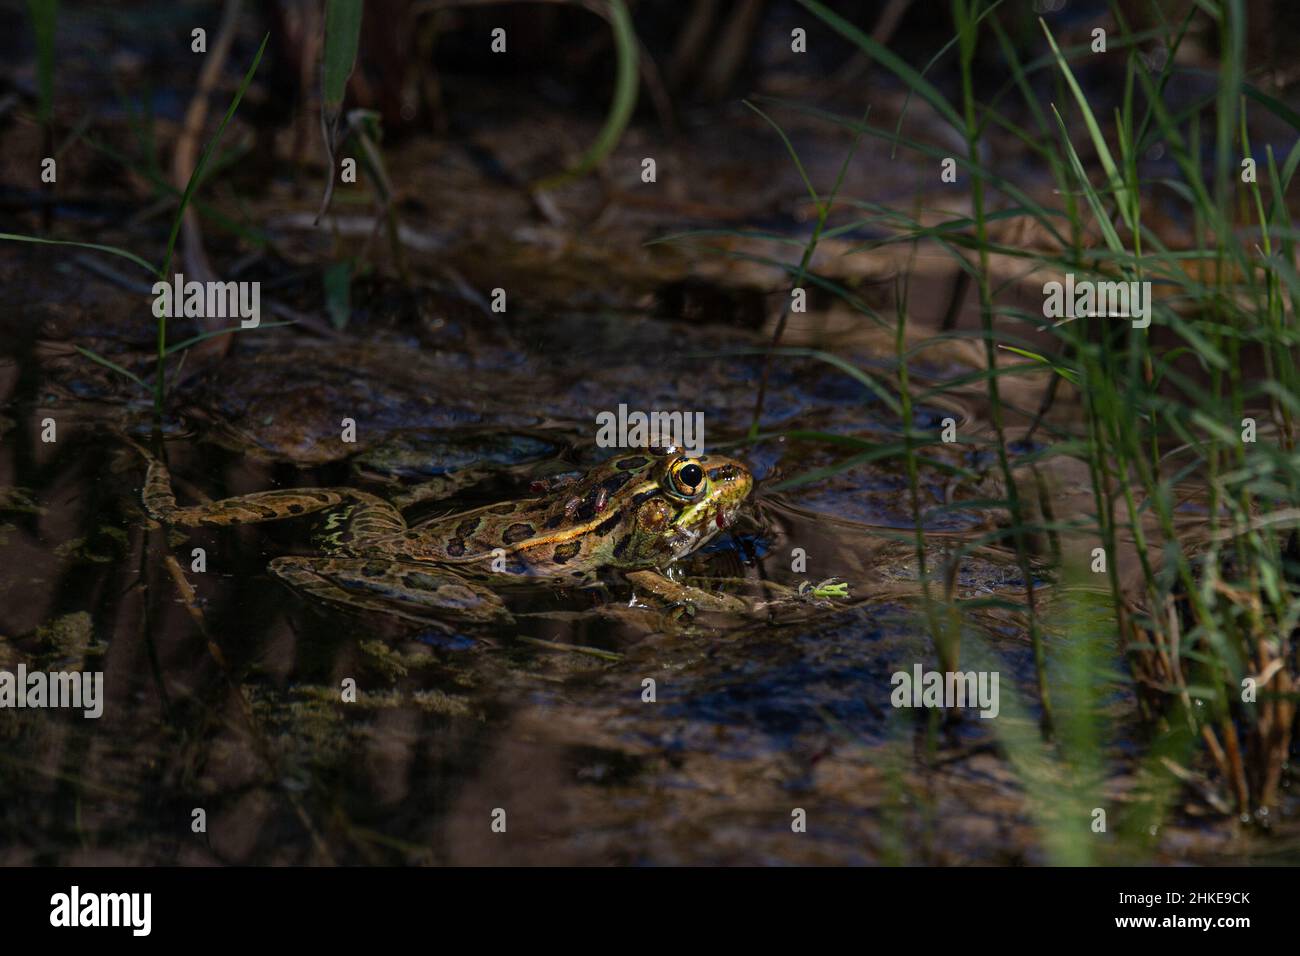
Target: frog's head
[684, 501]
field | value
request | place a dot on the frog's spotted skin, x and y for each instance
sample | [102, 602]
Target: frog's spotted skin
[621, 514]
[637, 511]
[390, 587]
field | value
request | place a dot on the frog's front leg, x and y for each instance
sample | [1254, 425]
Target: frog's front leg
[776, 595]
[404, 589]
[686, 595]
[374, 517]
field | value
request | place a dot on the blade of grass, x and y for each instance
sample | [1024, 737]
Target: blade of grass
[204, 336]
[1113, 177]
[887, 58]
[342, 39]
[208, 150]
[626, 87]
[109, 364]
[44, 14]
[823, 212]
[114, 250]
[160, 386]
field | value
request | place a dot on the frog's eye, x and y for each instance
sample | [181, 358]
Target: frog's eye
[686, 477]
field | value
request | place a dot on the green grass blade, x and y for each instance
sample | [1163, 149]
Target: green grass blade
[109, 364]
[1094, 133]
[1094, 200]
[114, 250]
[943, 51]
[886, 58]
[203, 159]
[626, 86]
[44, 14]
[337, 281]
[182, 345]
[160, 383]
[1069, 374]
[789, 148]
[342, 39]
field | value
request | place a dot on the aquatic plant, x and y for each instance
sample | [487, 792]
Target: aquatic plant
[1207, 619]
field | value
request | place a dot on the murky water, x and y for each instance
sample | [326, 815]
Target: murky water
[236, 709]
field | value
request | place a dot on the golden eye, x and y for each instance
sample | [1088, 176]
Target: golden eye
[686, 477]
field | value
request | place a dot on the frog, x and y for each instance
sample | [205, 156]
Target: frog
[636, 513]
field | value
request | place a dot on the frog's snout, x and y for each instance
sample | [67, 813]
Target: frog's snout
[731, 480]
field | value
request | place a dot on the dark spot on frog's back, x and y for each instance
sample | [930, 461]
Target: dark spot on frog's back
[468, 527]
[455, 547]
[627, 464]
[614, 482]
[567, 551]
[623, 542]
[517, 532]
[609, 524]
[507, 508]
[587, 510]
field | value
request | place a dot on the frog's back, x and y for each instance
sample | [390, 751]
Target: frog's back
[471, 536]
[572, 529]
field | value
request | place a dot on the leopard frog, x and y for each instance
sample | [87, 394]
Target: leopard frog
[638, 512]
